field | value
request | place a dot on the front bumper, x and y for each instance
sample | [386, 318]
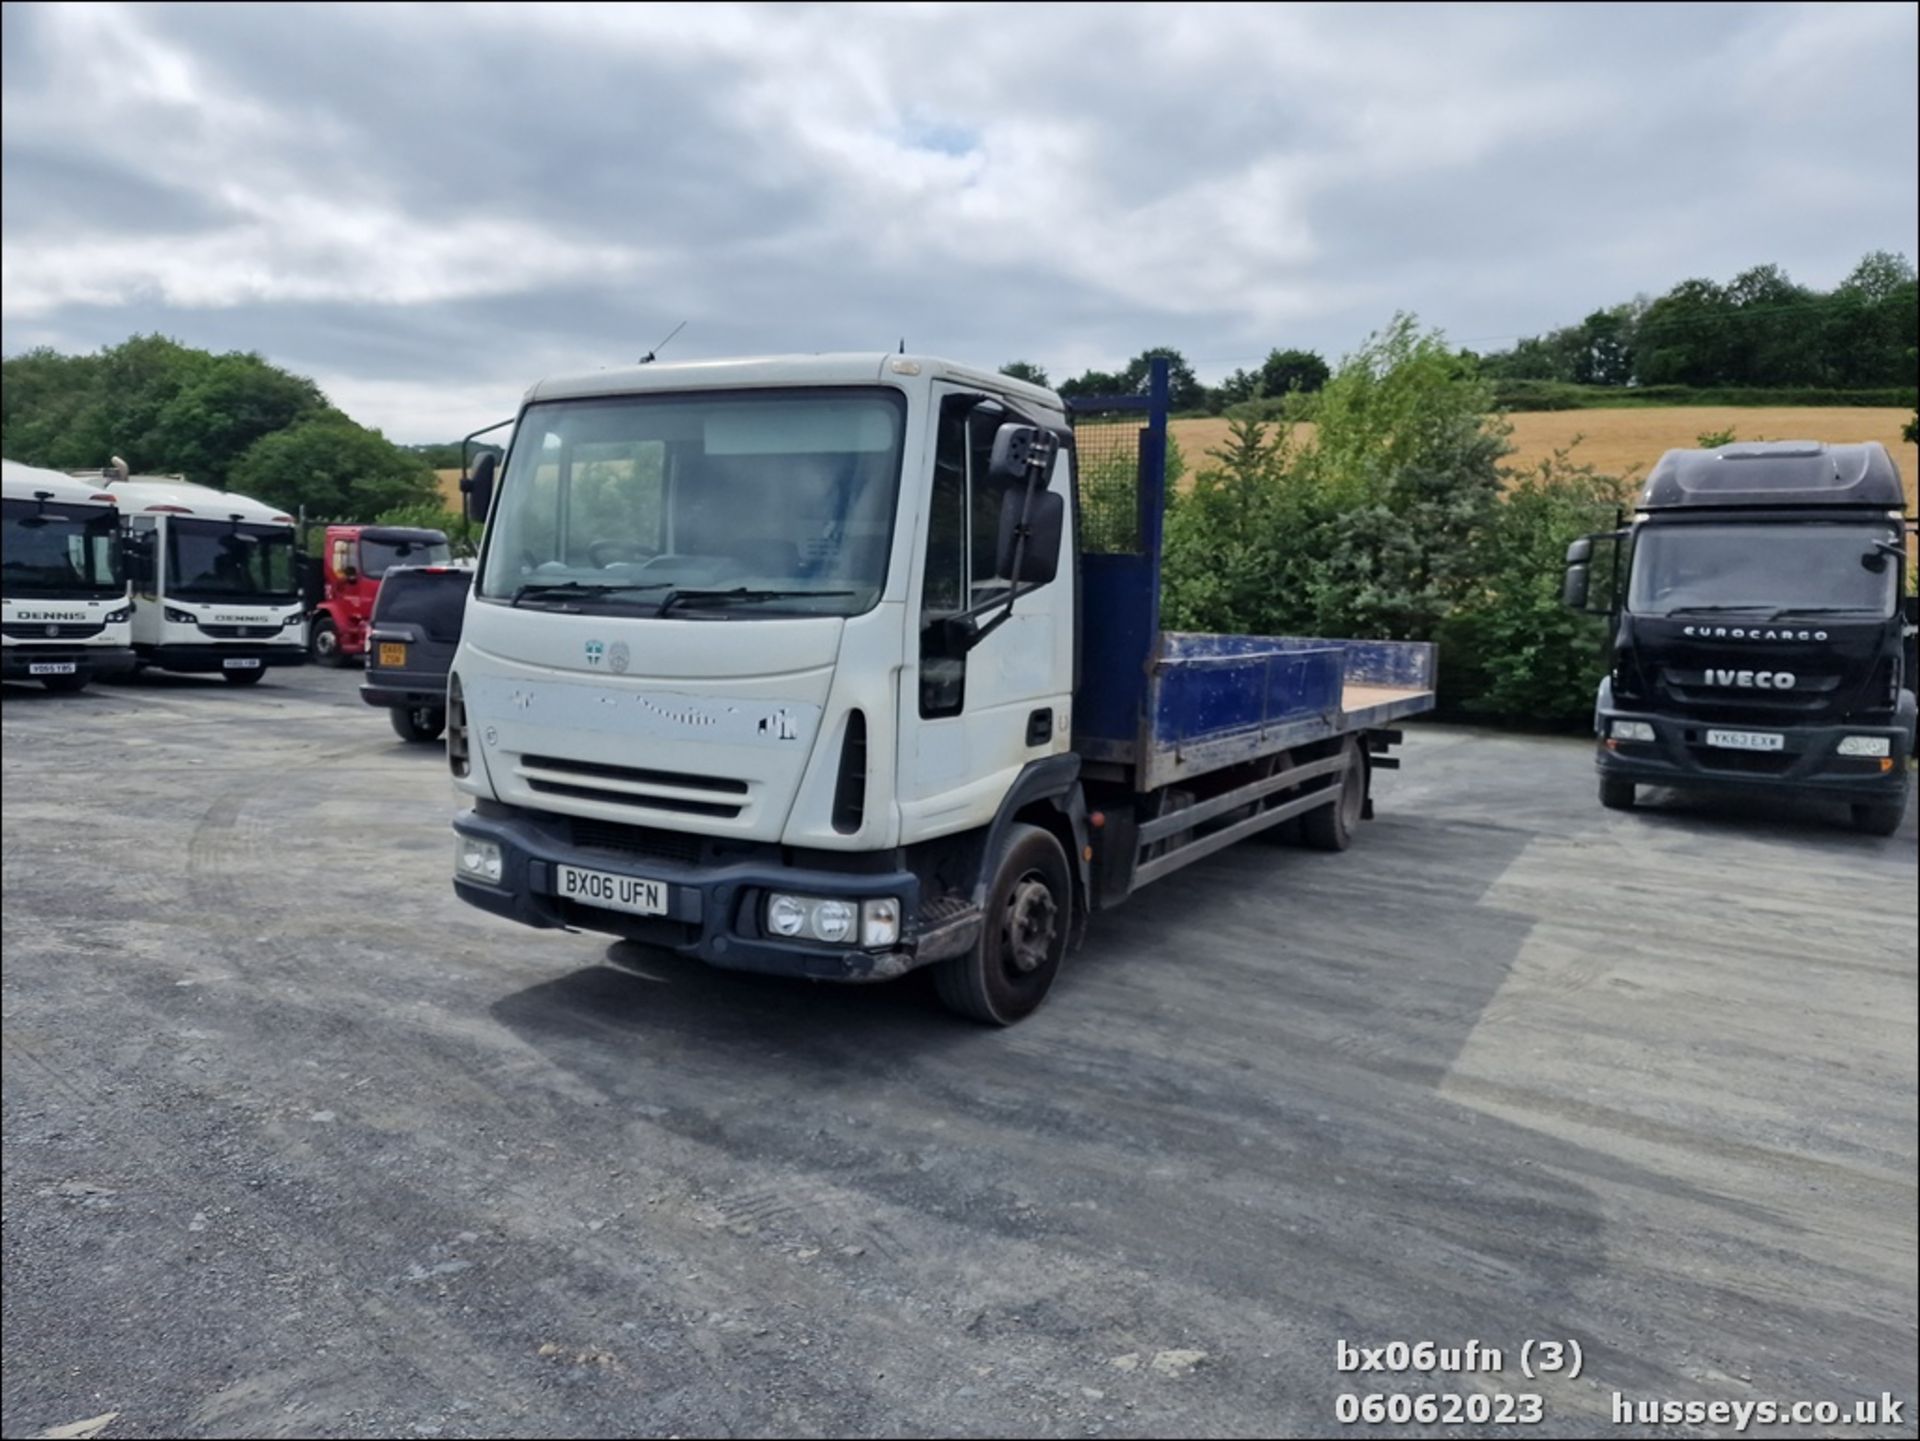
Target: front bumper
[192, 657]
[713, 906]
[17, 661]
[1808, 760]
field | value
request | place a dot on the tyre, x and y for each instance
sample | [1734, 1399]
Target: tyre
[1023, 935]
[1331, 828]
[66, 683]
[244, 677]
[421, 724]
[1879, 818]
[324, 644]
[1616, 794]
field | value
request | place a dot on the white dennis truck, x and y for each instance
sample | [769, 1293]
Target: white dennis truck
[215, 587]
[835, 666]
[64, 612]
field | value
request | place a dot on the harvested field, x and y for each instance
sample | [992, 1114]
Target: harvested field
[1630, 440]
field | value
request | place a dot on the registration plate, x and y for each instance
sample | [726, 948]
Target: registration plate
[52, 667]
[1747, 740]
[619, 893]
[392, 653]
[242, 662]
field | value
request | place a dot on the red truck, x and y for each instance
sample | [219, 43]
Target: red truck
[347, 578]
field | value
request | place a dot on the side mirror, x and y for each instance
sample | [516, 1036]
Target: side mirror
[1581, 551]
[1046, 514]
[1573, 590]
[137, 554]
[1016, 449]
[476, 487]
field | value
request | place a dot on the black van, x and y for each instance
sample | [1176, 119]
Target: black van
[411, 638]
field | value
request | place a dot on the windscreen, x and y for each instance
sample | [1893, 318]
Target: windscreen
[763, 503]
[1772, 569]
[220, 560]
[377, 557]
[53, 549]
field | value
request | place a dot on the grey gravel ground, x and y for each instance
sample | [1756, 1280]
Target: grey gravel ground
[296, 1144]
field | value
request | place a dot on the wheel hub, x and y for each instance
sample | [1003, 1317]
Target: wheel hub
[1031, 914]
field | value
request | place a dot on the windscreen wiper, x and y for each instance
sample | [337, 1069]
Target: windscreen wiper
[575, 587]
[677, 598]
[1711, 609]
[1788, 610]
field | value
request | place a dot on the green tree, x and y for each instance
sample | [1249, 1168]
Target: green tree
[1242, 385]
[1026, 370]
[1285, 372]
[333, 467]
[1092, 382]
[1187, 391]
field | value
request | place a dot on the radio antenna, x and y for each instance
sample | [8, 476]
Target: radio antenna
[647, 359]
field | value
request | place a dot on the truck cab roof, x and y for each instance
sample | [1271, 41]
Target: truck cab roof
[864, 368]
[30, 482]
[173, 495]
[1775, 474]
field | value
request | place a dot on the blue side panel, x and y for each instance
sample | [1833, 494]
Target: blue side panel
[1369, 662]
[1120, 603]
[1260, 685]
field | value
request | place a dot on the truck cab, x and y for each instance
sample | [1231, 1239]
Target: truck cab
[353, 559]
[214, 579]
[1760, 628]
[839, 666]
[65, 613]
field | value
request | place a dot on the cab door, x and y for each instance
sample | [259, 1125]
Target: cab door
[971, 722]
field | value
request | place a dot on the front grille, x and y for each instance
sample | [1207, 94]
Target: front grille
[241, 632]
[629, 840]
[42, 630]
[637, 775]
[1765, 763]
[558, 776]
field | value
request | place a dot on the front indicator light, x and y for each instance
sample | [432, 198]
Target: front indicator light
[477, 859]
[1865, 746]
[1627, 730]
[880, 923]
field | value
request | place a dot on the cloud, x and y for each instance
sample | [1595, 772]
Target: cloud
[427, 205]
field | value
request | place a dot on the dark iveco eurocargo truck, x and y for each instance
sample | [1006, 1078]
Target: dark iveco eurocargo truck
[1761, 628]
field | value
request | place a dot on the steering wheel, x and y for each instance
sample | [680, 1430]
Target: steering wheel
[604, 553]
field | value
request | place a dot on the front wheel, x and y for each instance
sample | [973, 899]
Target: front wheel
[1616, 794]
[1023, 934]
[244, 677]
[421, 724]
[324, 643]
[66, 683]
[1879, 818]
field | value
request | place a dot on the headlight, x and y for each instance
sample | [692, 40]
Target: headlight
[115, 617]
[182, 617]
[786, 915]
[880, 923]
[476, 858]
[1865, 746]
[1632, 731]
[295, 618]
[823, 918]
[833, 921]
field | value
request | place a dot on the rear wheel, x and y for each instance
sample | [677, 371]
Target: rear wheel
[77, 681]
[1879, 818]
[245, 677]
[421, 724]
[1331, 828]
[324, 643]
[1023, 935]
[1616, 794]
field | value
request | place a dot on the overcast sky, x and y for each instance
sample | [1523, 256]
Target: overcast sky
[427, 208]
